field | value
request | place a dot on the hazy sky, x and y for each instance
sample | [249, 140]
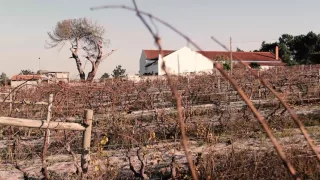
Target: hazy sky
[24, 26]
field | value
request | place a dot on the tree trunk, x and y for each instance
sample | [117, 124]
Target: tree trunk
[79, 66]
[95, 66]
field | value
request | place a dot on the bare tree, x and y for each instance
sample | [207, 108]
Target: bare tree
[81, 34]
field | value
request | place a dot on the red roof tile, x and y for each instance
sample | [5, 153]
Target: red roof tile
[154, 54]
[245, 56]
[21, 77]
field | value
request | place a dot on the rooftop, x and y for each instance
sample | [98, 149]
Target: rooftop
[21, 77]
[244, 56]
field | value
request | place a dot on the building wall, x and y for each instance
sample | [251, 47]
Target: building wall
[27, 84]
[265, 67]
[136, 78]
[153, 68]
[58, 76]
[62, 75]
[142, 63]
[185, 60]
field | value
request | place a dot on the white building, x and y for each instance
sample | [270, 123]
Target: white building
[185, 60]
[54, 76]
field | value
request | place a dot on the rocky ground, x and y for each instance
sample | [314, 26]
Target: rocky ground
[157, 158]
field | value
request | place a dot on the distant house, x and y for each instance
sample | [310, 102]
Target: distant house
[185, 60]
[27, 80]
[35, 79]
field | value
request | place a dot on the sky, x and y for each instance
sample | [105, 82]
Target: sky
[24, 26]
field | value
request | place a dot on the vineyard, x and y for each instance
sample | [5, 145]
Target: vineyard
[136, 131]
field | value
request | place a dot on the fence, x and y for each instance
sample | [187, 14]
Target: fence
[48, 125]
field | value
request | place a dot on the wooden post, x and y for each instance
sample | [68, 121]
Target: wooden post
[319, 76]
[300, 95]
[49, 115]
[10, 148]
[219, 84]
[259, 90]
[49, 107]
[85, 156]
[46, 140]
[11, 100]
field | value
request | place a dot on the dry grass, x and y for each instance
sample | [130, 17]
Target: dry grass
[257, 165]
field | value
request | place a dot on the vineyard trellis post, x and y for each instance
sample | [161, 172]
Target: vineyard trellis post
[219, 84]
[11, 101]
[85, 156]
[300, 96]
[259, 88]
[319, 76]
[49, 115]
[46, 139]
[259, 91]
[227, 96]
